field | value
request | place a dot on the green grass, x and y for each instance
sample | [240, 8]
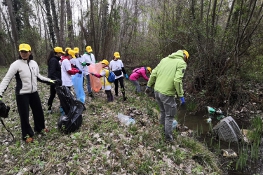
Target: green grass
[102, 145]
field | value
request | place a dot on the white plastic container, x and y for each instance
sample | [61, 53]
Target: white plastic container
[125, 119]
[174, 124]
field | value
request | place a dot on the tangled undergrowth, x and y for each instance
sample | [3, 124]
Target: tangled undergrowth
[102, 145]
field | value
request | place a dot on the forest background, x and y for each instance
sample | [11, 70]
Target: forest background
[223, 37]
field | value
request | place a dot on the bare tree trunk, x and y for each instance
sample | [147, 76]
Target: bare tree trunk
[62, 23]
[50, 22]
[13, 23]
[93, 33]
[7, 59]
[69, 23]
[55, 21]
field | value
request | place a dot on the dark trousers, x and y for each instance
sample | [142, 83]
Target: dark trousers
[116, 82]
[23, 103]
[52, 96]
[109, 95]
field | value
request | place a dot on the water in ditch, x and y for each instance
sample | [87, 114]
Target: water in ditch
[198, 123]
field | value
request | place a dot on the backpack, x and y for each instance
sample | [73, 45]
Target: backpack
[111, 77]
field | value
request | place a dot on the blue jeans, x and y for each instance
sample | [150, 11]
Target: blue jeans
[88, 84]
[167, 106]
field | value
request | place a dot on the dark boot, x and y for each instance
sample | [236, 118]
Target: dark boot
[108, 93]
[123, 94]
[111, 97]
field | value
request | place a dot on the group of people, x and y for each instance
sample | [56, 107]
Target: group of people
[165, 78]
[71, 62]
[63, 64]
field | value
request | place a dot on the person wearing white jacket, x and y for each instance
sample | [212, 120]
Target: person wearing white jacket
[116, 65]
[26, 72]
[87, 59]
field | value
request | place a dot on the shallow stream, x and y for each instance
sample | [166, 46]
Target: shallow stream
[198, 123]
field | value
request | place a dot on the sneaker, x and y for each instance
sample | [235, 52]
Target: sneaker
[29, 140]
[45, 130]
[42, 132]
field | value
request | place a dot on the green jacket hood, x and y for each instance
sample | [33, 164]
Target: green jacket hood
[177, 55]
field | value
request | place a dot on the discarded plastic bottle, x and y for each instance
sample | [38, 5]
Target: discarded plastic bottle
[127, 120]
[209, 120]
[130, 121]
[174, 124]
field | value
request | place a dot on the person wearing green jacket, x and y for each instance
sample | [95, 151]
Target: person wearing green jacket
[167, 78]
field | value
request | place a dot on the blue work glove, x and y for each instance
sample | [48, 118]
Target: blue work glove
[126, 76]
[148, 89]
[182, 100]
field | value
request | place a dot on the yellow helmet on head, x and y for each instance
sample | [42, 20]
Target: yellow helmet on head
[105, 62]
[76, 49]
[117, 55]
[24, 47]
[186, 54]
[59, 50]
[67, 48]
[88, 49]
[72, 53]
[149, 69]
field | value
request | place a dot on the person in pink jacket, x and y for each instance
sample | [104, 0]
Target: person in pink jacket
[137, 73]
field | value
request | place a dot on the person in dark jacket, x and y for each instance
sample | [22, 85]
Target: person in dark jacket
[54, 72]
[26, 72]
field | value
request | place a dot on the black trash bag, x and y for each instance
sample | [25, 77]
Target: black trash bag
[66, 98]
[72, 120]
[4, 110]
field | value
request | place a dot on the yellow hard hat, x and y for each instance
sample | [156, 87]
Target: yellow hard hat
[72, 53]
[88, 49]
[105, 62]
[24, 47]
[117, 54]
[67, 48]
[186, 54]
[76, 49]
[149, 69]
[59, 50]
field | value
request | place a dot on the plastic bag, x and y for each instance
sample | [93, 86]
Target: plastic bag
[77, 80]
[174, 124]
[66, 98]
[72, 120]
[4, 110]
[124, 119]
[94, 81]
